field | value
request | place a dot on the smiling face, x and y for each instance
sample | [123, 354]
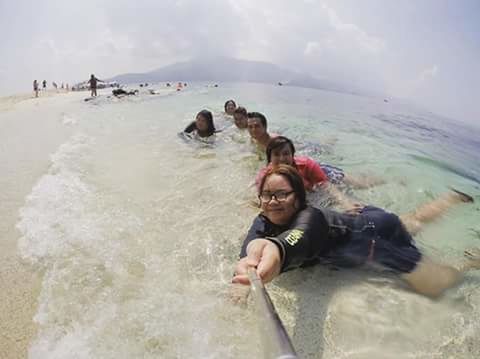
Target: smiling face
[241, 121]
[279, 212]
[255, 128]
[229, 108]
[282, 155]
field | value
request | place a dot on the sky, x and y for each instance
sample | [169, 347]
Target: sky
[426, 52]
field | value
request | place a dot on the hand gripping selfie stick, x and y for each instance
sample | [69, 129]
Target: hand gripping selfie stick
[277, 344]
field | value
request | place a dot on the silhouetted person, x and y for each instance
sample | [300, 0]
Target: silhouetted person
[35, 87]
[93, 84]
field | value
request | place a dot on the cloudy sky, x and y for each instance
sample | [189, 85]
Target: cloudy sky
[425, 51]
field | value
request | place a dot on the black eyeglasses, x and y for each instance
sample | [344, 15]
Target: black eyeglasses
[280, 196]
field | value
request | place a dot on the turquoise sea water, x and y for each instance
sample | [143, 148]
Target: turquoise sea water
[138, 231]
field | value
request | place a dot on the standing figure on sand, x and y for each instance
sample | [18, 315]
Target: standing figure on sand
[35, 87]
[93, 85]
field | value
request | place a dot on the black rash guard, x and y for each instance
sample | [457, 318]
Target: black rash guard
[316, 235]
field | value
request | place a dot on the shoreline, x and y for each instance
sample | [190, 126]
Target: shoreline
[7, 102]
[24, 158]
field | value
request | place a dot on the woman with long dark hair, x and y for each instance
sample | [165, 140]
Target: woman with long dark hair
[202, 126]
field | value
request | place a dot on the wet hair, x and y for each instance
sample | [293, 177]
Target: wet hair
[278, 142]
[207, 115]
[226, 104]
[241, 111]
[293, 178]
[261, 117]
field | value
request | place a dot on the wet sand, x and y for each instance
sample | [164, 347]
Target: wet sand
[30, 132]
[18, 298]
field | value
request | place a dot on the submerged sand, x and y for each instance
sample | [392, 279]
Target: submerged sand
[26, 144]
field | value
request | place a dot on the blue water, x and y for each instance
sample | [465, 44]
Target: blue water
[138, 231]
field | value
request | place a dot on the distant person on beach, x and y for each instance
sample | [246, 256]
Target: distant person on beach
[257, 127]
[35, 87]
[240, 118]
[93, 85]
[289, 234]
[122, 92]
[179, 86]
[203, 126]
[230, 107]
[54, 84]
[281, 150]
[44, 85]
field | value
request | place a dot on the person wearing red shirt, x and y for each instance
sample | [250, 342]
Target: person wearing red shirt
[280, 150]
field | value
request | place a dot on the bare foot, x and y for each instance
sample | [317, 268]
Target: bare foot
[473, 259]
[462, 196]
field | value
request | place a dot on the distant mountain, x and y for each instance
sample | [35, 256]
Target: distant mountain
[225, 69]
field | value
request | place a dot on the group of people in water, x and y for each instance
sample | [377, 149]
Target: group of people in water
[290, 233]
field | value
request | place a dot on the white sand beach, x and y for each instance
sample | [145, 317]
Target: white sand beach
[30, 132]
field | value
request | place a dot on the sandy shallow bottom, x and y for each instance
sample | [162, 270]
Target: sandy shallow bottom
[20, 167]
[103, 176]
[18, 298]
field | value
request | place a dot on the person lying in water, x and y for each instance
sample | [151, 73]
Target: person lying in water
[230, 107]
[240, 118]
[280, 150]
[289, 234]
[257, 128]
[203, 126]
[122, 92]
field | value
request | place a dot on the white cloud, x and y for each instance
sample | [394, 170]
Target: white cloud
[329, 39]
[311, 48]
[353, 33]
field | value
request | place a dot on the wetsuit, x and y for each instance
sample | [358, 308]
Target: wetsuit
[321, 235]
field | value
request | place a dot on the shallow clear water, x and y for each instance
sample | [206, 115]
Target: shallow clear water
[137, 231]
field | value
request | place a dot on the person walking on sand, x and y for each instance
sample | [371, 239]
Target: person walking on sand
[35, 87]
[93, 85]
[44, 85]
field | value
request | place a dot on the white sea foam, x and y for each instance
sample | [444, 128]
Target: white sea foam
[137, 233]
[57, 201]
[68, 120]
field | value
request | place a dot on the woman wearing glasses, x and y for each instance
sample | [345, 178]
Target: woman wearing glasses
[289, 234]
